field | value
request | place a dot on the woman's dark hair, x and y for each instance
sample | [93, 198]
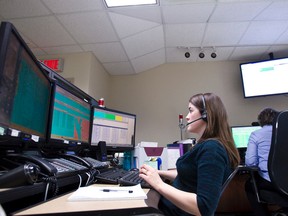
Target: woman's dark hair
[267, 116]
[217, 123]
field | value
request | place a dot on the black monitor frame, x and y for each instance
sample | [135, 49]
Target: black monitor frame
[67, 144]
[114, 147]
[13, 50]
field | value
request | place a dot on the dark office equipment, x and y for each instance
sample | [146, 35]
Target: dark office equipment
[116, 128]
[132, 178]
[277, 161]
[272, 71]
[25, 90]
[111, 175]
[26, 174]
[102, 151]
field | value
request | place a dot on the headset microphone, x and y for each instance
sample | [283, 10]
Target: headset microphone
[194, 121]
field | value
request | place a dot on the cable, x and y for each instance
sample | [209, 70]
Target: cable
[80, 181]
[89, 176]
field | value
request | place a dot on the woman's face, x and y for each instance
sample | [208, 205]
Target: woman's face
[198, 126]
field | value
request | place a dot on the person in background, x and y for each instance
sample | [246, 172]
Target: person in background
[257, 155]
[200, 173]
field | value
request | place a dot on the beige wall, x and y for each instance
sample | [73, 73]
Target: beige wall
[87, 73]
[159, 95]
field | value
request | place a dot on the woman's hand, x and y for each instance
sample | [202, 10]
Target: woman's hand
[151, 176]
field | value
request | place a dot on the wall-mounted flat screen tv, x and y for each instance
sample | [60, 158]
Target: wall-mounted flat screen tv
[264, 78]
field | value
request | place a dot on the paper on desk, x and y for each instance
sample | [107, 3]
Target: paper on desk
[116, 193]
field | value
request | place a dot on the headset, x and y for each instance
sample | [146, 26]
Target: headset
[204, 112]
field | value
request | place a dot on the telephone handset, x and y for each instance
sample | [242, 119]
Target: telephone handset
[44, 165]
[77, 159]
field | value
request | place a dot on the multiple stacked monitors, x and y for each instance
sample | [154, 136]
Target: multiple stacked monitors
[24, 88]
[241, 135]
[71, 118]
[116, 128]
[34, 106]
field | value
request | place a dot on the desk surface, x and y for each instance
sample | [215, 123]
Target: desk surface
[61, 204]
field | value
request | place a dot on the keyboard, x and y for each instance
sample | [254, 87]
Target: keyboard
[110, 175]
[132, 178]
[121, 176]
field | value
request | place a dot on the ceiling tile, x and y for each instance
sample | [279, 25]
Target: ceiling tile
[280, 7]
[149, 61]
[62, 49]
[248, 53]
[43, 31]
[119, 68]
[224, 34]
[126, 26]
[187, 14]
[148, 13]
[238, 11]
[184, 34]
[90, 27]
[28, 8]
[264, 32]
[151, 40]
[107, 52]
[68, 6]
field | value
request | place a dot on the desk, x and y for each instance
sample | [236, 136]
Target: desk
[61, 204]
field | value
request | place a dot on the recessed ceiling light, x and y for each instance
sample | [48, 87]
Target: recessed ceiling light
[120, 3]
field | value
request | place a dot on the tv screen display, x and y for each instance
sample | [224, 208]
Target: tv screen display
[241, 135]
[71, 118]
[24, 88]
[116, 128]
[263, 78]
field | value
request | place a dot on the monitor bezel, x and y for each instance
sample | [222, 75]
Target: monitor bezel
[7, 29]
[62, 144]
[115, 148]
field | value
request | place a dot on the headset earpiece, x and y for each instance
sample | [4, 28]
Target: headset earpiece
[204, 113]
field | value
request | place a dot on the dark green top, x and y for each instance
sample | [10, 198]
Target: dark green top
[202, 170]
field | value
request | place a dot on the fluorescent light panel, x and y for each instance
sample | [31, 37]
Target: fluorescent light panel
[119, 3]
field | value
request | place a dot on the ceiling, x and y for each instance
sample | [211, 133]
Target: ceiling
[130, 40]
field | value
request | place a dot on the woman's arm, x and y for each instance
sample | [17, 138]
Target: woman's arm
[184, 200]
[168, 174]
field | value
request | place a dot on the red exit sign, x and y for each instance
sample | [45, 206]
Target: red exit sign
[54, 64]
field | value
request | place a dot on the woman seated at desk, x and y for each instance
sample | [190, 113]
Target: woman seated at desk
[201, 172]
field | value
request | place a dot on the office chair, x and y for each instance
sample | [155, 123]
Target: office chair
[230, 177]
[277, 165]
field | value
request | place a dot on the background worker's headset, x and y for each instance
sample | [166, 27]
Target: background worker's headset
[203, 114]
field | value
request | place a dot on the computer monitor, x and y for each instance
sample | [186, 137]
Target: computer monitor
[70, 121]
[241, 135]
[25, 89]
[114, 127]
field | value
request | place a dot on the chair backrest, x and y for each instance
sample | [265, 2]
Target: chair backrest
[278, 155]
[230, 177]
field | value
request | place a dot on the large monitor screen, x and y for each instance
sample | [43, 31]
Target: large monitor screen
[25, 89]
[265, 78]
[116, 128]
[71, 118]
[241, 134]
